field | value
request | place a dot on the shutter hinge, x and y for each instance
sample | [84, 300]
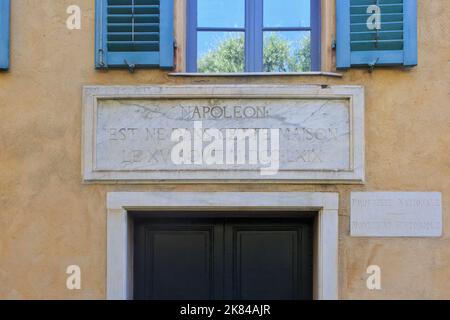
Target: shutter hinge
[101, 60]
[333, 44]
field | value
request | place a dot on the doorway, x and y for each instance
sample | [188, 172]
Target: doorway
[120, 225]
[198, 257]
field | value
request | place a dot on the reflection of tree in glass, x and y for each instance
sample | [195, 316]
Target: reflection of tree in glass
[278, 56]
[227, 57]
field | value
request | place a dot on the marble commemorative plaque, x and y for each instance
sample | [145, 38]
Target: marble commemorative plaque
[305, 134]
[396, 214]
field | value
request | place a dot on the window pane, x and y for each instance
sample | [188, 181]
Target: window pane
[220, 52]
[221, 13]
[288, 51]
[287, 13]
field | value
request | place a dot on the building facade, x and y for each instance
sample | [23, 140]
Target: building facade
[94, 95]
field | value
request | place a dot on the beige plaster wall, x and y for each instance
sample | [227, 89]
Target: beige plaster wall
[49, 219]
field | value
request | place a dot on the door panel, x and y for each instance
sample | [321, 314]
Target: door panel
[176, 261]
[199, 259]
[269, 261]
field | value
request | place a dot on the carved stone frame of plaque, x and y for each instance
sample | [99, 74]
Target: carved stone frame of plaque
[127, 132]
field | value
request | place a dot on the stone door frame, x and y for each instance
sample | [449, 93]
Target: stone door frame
[120, 240]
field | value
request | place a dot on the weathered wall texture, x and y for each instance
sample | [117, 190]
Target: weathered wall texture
[49, 219]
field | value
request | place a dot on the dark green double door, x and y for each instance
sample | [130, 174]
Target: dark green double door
[227, 258]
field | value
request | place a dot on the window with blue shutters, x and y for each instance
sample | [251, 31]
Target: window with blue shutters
[4, 34]
[376, 33]
[134, 33]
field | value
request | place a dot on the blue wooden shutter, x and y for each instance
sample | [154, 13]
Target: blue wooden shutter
[134, 33]
[394, 44]
[4, 34]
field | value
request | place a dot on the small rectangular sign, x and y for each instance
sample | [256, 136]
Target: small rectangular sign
[396, 214]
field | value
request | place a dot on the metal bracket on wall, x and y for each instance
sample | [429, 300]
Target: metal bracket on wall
[372, 65]
[131, 66]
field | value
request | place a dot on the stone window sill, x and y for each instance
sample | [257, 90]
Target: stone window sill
[257, 74]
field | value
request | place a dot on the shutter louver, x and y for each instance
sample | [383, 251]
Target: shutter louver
[133, 25]
[395, 43]
[136, 33]
[390, 37]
